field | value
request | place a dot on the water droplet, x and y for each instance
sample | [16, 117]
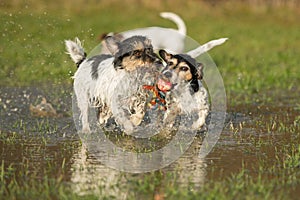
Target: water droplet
[14, 109]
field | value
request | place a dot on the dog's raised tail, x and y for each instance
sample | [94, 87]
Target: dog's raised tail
[75, 50]
[206, 47]
[176, 19]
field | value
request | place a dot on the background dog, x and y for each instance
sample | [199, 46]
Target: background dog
[112, 82]
[206, 47]
[161, 38]
[181, 78]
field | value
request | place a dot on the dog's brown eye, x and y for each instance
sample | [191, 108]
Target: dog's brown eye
[184, 68]
[170, 63]
[137, 53]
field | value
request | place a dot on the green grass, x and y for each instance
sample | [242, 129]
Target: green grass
[260, 55]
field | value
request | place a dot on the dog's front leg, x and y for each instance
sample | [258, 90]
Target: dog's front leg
[170, 116]
[198, 124]
[172, 111]
[104, 114]
[137, 109]
[137, 118]
[126, 124]
[122, 118]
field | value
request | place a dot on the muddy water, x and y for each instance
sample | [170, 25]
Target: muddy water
[50, 146]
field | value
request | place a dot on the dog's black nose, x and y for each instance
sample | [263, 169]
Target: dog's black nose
[168, 74]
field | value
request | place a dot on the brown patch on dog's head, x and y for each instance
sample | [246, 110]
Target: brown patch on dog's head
[116, 36]
[109, 42]
[131, 53]
[102, 36]
[183, 67]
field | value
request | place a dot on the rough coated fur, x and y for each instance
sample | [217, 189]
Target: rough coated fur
[112, 82]
[187, 94]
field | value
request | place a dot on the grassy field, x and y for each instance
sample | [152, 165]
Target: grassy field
[260, 55]
[259, 65]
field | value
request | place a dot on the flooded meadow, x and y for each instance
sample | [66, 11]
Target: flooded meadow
[259, 146]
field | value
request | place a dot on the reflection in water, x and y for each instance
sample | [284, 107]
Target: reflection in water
[90, 177]
[38, 148]
[49, 147]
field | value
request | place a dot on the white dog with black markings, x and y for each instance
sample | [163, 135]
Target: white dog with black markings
[185, 94]
[112, 82]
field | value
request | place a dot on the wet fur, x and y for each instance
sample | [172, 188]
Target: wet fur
[188, 96]
[110, 82]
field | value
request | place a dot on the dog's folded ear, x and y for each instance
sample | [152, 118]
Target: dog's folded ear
[112, 44]
[164, 55]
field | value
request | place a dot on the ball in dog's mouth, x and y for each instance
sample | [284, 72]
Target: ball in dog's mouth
[164, 85]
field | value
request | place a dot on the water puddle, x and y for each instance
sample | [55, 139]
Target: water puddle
[255, 138]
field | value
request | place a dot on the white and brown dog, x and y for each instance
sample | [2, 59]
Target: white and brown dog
[185, 94]
[112, 82]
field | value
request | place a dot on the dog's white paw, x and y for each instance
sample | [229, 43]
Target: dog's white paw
[197, 125]
[137, 118]
[128, 127]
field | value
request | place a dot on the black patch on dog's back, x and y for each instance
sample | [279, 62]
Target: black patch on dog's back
[96, 61]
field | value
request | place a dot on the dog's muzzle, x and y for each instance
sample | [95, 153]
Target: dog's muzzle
[165, 82]
[149, 55]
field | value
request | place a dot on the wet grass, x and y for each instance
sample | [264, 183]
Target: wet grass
[257, 156]
[253, 159]
[52, 178]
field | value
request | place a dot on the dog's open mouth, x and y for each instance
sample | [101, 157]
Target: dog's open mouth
[164, 85]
